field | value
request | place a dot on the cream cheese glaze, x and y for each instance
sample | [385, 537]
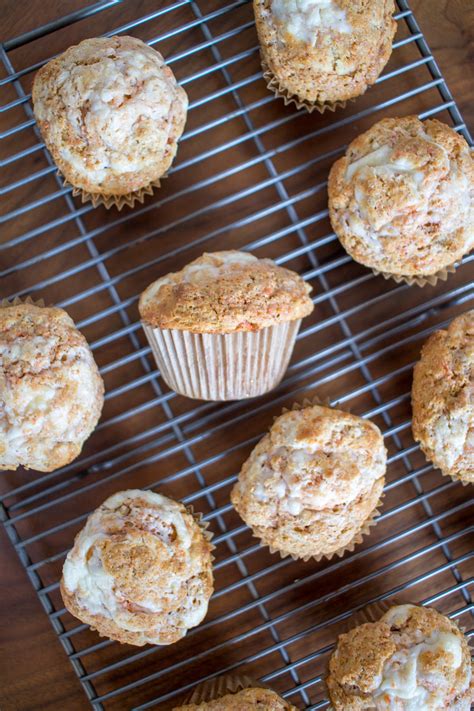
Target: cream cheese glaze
[304, 19]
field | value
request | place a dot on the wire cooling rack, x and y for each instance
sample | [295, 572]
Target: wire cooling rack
[250, 174]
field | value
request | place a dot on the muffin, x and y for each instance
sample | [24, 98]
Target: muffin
[311, 486]
[443, 399]
[224, 327]
[320, 53]
[251, 699]
[412, 658]
[401, 199]
[111, 113]
[140, 570]
[51, 392]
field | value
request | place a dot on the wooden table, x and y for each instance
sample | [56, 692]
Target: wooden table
[35, 672]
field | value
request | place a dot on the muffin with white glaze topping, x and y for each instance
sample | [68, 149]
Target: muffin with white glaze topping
[51, 392]
[320, 53]
[443, 399]
[110, 112]
[401, 199]
[311, 486]
[224, 327]
[140, 570]
[412, 658]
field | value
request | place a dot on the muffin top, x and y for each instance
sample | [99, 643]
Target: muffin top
[325, 50]
[443, 399]
[224, 292]
[314, 469]
[401, 199]
[110, 111]
[252, 699]
[140, 570]
[412, 658]
[51, 393]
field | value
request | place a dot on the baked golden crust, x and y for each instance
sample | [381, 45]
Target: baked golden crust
[252, 699]
[111, 113]
[443, 399]
[51, 392]
[412, 657]
[140, 571]
[223, 292]
[401, 199]
[313, 483]
[342, 49]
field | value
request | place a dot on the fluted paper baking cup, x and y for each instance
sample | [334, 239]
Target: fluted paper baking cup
[431, 279]
[203, 525]
[213, 689]
[276, 87]
[217, 367]
[118, 201]
[5, 303]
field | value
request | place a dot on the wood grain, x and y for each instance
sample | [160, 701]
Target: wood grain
[34, 669]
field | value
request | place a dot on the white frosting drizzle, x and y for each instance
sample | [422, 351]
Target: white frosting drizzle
[304, 19]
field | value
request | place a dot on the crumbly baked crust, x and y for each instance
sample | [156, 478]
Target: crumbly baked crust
[329, 64]
[111, 113]
[254, 699]
[51, 392]
[312, 482]
[401, 199]
[140, 571]
[224, 292]
[443, 399]
[412, 657]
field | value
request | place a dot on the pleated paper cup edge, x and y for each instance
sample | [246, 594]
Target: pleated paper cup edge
[117, 201]
[420, 281]
[17, 301]
[219, 686]
[276, 87]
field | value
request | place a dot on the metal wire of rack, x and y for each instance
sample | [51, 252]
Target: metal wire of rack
[250, 174]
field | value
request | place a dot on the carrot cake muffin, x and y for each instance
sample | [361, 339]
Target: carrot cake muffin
[324, 51]
[401, 199]
[51, 392]
[140, 570]
[443, 399]
[251, 699]
[413, 658]
[110, 112]
[224, 327]
[312, 484]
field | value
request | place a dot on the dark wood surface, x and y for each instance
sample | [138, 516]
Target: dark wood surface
[34, 670]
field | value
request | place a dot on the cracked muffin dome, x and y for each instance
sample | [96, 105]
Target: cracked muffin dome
[140, 570]
[443, 399]
[322, 51]
[51, 392]
[413, 658]
[401, 199]
[223, 292]
[110, 112]
[251, 699]
[312, 484]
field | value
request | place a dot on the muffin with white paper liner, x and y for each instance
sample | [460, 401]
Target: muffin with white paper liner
[140, 571]
[401, 657]
[318, 54]
[312, 486]
[111, 113]
[51, 391]
[224, 327]
[401, 199]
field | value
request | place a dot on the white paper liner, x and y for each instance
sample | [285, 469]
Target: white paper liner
[218, 367]
[420, 281]
[5, 303]
[118, 201]
[220, 686]
[279, 90]
[367, 524]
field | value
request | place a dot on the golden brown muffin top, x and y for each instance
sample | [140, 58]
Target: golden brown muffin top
[443, 398]
[254, 699]
[413, 657]
[51, 392]
[222, 292]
